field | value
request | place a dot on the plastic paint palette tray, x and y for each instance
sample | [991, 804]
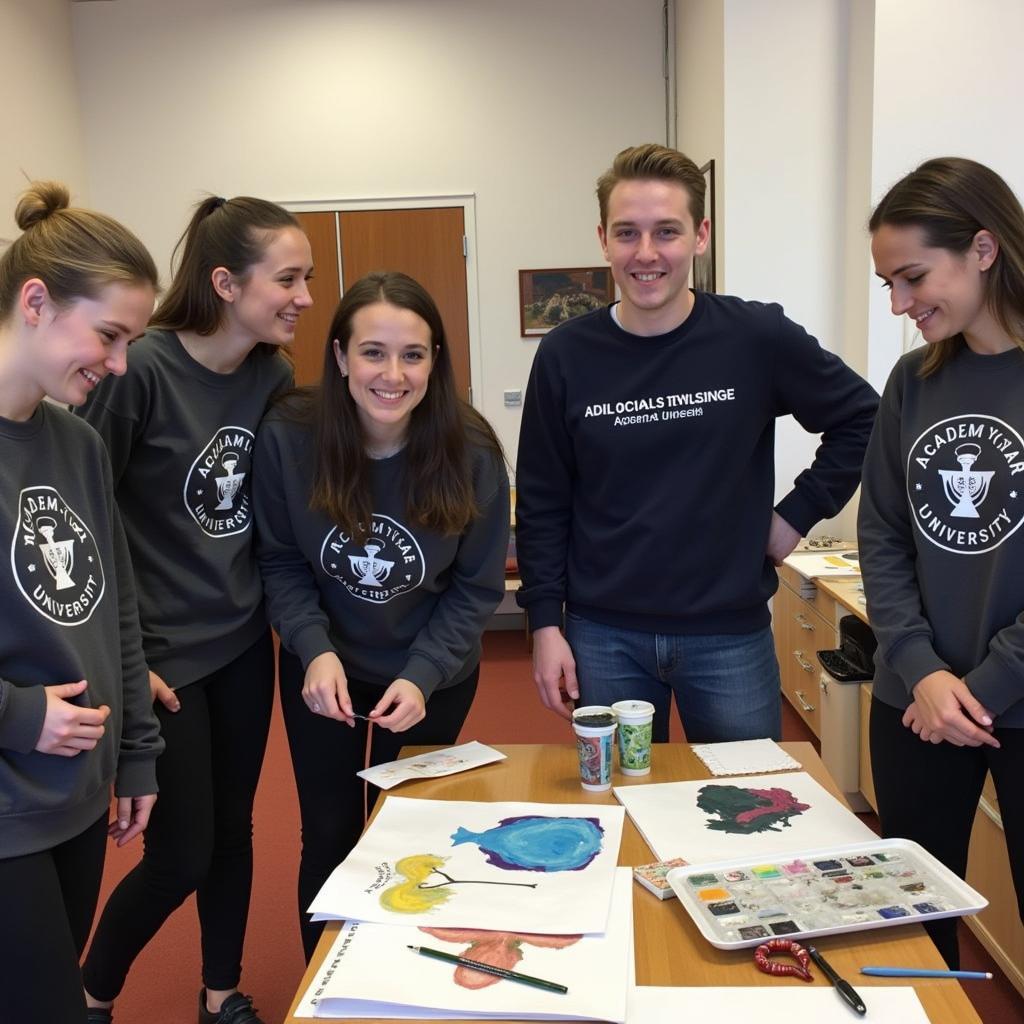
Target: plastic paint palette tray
[847, 888]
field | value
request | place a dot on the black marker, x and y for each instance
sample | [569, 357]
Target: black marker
[844, 988]
[500, 972]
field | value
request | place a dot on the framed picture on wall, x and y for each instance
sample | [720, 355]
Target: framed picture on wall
[703, 276]
[548, 298]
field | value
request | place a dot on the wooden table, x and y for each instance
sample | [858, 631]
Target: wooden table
[669, 949]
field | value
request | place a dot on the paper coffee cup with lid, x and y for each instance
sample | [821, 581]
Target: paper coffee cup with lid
[635, 720]
[594, 726]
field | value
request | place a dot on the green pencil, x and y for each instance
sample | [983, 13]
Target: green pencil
[500, 972]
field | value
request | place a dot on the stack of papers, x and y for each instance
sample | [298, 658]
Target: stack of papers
[370, 972]
[528, 887]
[744, 757]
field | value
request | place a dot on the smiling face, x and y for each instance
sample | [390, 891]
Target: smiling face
[649, 241]
[388, 359]
[943, 292]
[72, 349]
[266, 303]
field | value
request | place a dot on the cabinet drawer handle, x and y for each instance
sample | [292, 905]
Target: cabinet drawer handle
[804, 624]
[802, 661]
[799, 694]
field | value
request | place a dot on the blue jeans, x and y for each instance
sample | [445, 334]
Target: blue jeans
[726, 687]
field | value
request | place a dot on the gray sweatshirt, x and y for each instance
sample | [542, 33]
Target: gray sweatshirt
[410, 603]
[180, 439]
[939, 530]
[69, 613]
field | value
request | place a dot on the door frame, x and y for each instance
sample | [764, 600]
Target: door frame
[466, 200]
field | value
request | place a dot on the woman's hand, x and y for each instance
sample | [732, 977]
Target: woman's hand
[945, 709]
[67, 728]
[163, 693]
[132, 817]
[325, 688]
[407, 707]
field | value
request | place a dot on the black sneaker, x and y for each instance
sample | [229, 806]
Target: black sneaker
[97, 1015]
[236, 1009]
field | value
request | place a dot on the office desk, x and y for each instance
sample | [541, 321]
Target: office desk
[669, 949]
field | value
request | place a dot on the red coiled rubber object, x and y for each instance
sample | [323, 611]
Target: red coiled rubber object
[763, 953]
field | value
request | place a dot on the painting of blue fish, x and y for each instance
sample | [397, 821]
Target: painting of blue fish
[536, 842]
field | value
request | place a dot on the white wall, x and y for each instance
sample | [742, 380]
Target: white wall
[42, 136]
[522, 104]
[947, 82]
[778, 133]
[700, 101]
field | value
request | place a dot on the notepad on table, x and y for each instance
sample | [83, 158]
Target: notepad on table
[744, 757]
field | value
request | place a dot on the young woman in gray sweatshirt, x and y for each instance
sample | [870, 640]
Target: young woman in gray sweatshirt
[382, 506]
[76, 716]
[180, 428]
[940, 515]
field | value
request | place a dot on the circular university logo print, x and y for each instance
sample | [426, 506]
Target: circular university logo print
[388, 564]
[964, 483]
[217, 485]
[54, 558]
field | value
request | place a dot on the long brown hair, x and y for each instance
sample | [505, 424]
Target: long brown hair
[439, 476]
[74, 252]
[951, 199]
[230, 233]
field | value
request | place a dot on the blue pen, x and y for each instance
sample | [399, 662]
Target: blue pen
[921, 972]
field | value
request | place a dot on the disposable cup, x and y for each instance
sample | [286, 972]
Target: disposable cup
[634, 719]
[594, 726]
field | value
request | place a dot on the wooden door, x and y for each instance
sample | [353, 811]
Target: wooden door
[425, 244]
[311, 332]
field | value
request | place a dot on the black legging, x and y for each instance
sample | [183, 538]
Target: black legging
[929, 792]
[199, 838]
[326, 754]
[47, 901]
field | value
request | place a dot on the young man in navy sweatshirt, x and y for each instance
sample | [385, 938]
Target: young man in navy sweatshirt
[646, 473]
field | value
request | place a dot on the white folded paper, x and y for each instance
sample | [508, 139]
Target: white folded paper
[437, 763]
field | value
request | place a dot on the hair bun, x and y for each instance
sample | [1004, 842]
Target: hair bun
[39, 201]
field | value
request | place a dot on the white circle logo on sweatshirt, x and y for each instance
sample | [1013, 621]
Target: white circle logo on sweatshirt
[54, 557]
[217, 485]
[965, 483]
[388, 564]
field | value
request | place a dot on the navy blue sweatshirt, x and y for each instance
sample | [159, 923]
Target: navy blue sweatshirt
[646, 471]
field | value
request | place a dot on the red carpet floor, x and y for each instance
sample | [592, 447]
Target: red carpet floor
[164, 983]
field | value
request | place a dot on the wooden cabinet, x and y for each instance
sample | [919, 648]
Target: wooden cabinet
[867, 785]
[802, 626]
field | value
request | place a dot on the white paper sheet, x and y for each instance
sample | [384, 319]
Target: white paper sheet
[454, 864]
[784, 1004]
[369, 972]
[431, 766]
[744, 757]
[669, 819]
[823, 564]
